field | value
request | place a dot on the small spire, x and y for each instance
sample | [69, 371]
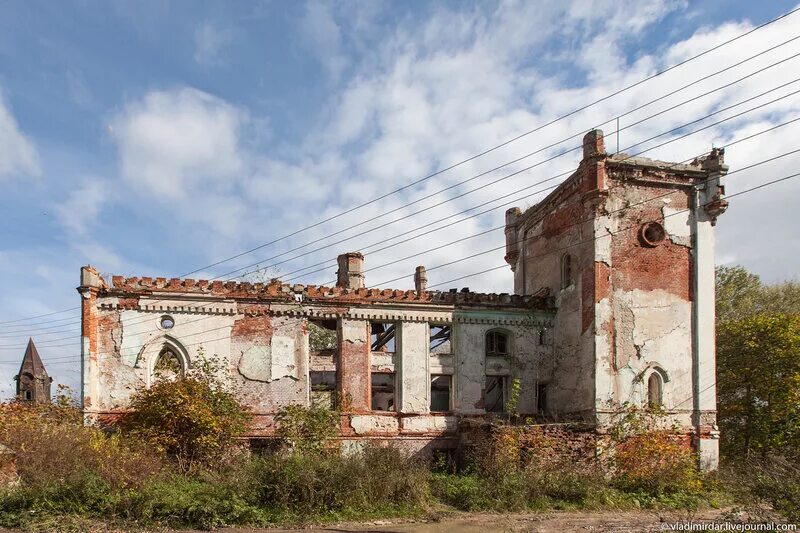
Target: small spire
[33, 383]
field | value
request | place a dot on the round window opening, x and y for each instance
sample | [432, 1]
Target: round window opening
[653, 233]
[167, 322]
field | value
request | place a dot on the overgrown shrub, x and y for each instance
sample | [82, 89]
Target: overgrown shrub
[368, 481]
[195, 418]
[774, 481]
[306, 430]
[65, 468]
[650, 457]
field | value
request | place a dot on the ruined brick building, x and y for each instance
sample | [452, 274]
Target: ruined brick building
[613, 302]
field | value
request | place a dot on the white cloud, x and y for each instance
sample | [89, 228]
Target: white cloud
[18, 155]
[174, 141]
[209, 44]
[427, 95]
[83, 205]
[324, 37]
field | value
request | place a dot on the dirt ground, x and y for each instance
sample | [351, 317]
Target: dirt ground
[547, 522]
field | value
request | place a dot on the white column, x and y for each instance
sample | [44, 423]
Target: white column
[413, 368]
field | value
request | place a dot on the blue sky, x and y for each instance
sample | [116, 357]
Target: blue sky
[154, 138]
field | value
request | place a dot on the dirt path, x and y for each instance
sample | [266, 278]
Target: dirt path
[547, 522]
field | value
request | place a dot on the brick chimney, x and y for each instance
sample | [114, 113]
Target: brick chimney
[420, 279]
[351, 271]
[593, 144]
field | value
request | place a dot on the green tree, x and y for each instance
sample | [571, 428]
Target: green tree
[194, 418]
[739, 293]
[758, 379]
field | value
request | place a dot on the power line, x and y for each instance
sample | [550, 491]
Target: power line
[511, 202]
[773, 182]
[627, 157]
[568, 172]
[496, 147]
[578, 222]
[637, 225]
[471, 158]
[560, 154]
[45, 314]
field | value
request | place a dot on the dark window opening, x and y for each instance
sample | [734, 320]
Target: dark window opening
[440, 339]
[382, 391]
[541, 398]
[323, 388]
[566, 271]
[323, 338]
[440, 393]
[541, 337]
[27, 395]
[494, 398]
[654, 391]
[382, 338]
[496, 344]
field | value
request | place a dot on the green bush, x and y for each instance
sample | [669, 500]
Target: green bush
[178, 501]
[377, 479]
[195, 419]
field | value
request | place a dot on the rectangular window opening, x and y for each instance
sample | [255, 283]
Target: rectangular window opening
[323, 337]
[494, 398]
[323, 388]
[440, 393]
[440, 339]
[382, 391]
[382, 336]
[541, 398]
[496, 344]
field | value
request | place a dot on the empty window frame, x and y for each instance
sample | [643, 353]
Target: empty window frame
[168, 364]
[541, 398]
[27, 395]
[323, 388]
[440, 393]
[566, 271]
[497, 343]
[494, 396]
[383, 336]
[440, 339]
[654, 391]
[382, 391]
[323, 339]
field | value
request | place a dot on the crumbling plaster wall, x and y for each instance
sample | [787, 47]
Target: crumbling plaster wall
[644, 305]
[263, 351]
[472, 366]
[264, 356]
[545, 240]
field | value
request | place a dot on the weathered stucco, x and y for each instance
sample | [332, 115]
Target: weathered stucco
[614, 282]
[639, 298]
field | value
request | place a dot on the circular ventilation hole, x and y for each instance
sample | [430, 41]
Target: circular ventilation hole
[653, 233]
[167, 322]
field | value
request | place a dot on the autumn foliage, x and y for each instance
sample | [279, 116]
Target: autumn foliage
[194, 418]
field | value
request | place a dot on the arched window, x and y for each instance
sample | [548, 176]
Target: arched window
[566, 271]
[497, 343]
[163, 358]
[654, 391]
[168, 364]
